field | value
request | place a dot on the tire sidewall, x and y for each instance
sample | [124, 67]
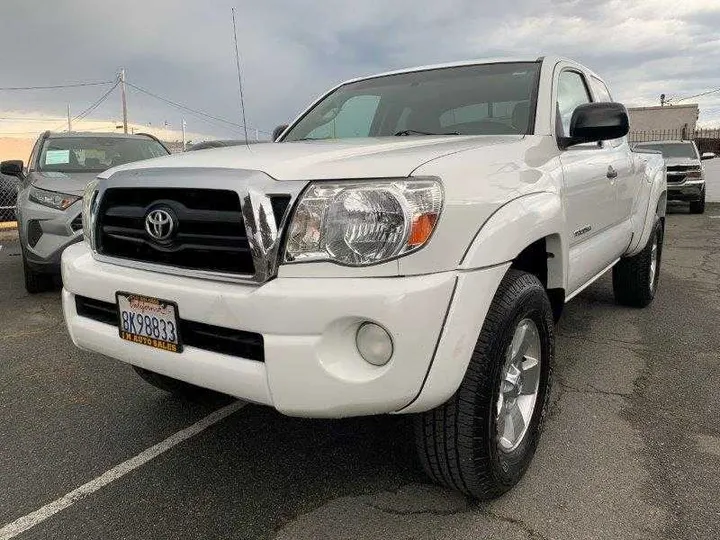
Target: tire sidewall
[532, 304]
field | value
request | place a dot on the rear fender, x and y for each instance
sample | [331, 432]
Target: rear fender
[654, 207]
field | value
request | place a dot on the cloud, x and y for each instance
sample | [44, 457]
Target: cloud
[293, 50]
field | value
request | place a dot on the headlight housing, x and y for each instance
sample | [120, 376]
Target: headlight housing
[52, 199]
[88, 209]
[365, 222]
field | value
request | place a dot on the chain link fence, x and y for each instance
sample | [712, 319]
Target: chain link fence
[8, 198]
[707, 140]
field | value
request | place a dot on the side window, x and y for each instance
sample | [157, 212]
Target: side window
[354, 119]
[602, 94]
[572, 92]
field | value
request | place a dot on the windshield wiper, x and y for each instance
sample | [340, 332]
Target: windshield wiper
[406, 132]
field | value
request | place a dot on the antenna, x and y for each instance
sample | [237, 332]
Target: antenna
[237, 62]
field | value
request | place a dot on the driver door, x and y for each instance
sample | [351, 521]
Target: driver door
[590, 193]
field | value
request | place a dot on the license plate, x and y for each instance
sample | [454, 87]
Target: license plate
[149, 321]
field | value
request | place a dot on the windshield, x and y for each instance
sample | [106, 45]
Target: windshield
[676, 150]
[489, 99]
[95, 154]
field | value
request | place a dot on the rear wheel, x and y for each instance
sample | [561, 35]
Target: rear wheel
[482, 440]
[175, 387]
[635, 279]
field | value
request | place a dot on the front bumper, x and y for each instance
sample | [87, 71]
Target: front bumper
[689, 190]
[46, 232]
[311, 367]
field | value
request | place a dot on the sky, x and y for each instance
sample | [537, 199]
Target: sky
[293, 50]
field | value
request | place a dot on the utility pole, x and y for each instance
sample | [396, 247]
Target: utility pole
[257, 135]
[183, 133]
[124, 100]
[69, 119]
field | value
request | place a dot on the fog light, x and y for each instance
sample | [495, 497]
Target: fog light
[374, 344]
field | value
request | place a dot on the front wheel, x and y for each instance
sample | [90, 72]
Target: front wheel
[176, 387]
[482, 440]
[698, 207]
[36, 282]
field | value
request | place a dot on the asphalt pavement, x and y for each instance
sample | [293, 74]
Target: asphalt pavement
[631, 448]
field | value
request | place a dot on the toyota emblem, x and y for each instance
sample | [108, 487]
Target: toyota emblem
[160, 224]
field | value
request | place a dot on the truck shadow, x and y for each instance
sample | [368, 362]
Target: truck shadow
[258, 470]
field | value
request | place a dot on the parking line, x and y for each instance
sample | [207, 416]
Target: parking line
[24, 523]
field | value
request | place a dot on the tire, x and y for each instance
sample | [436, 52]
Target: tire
[458, 442]
[36, 282]
[177, 388]
[635, 279]
[698, 207]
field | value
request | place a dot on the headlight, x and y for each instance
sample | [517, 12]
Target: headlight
[53, 199]
[362, 223]
[89, 203]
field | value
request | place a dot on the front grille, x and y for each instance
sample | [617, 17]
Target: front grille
[677, 174]
[210, 232]
[76, 224]
[248, 345]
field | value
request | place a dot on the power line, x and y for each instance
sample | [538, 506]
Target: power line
[55, 86]
[31, 118]
[672, 100]
[188, 109]
[92, 107]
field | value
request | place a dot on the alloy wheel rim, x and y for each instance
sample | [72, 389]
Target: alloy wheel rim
[653, 263]
[519, 386]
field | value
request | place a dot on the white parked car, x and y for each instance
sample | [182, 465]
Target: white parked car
[404, 247]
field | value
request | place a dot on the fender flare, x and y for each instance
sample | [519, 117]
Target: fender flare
[656, 207]
[524, 220]
[515, 226]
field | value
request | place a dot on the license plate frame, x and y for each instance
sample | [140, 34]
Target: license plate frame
[148, 341]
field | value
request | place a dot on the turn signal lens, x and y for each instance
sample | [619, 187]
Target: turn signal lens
[421, 229]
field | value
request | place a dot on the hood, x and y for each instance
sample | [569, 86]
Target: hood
[685, 161]
[327, 159]
[70, 183]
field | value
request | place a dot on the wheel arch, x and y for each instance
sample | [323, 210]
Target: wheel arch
[527, 233]
[523, 234]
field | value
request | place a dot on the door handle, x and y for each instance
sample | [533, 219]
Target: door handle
[611, 172]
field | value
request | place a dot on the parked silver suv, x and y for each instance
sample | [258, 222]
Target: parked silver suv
[685, 175]
[52, 184]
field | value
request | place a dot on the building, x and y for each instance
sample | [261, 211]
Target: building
[670, 118]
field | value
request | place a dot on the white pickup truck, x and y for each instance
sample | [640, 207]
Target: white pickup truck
[404, 246]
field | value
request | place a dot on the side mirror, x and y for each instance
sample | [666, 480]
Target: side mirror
[278, 131]
[595, 122]
[707, 155]
[13, 167]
